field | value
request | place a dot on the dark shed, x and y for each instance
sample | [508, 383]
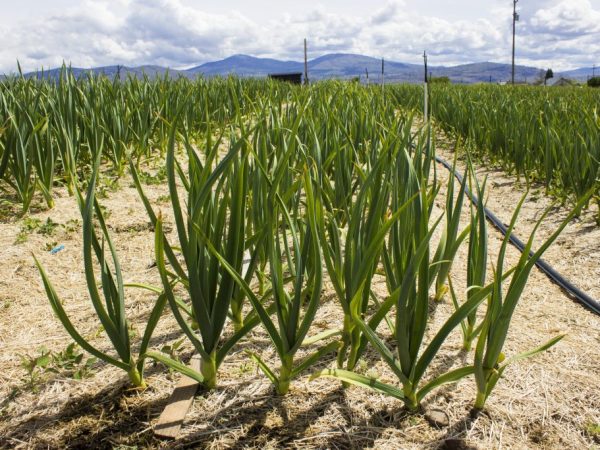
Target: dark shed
[295, 78]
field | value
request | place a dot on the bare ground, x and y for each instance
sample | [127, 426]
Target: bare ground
[551, 401]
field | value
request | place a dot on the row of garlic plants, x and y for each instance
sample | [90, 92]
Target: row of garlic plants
[47, 126]
[546, 135]
[325, 185]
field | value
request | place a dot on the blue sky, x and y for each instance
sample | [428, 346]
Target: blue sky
[561, 34]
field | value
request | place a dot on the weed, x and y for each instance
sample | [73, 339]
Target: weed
[172, 351]
[47, 228]
[106, 185]
[72, 225]
[50, 245]
[28, 226]
[69, 362]
[592, 429]
[158, 178]
[105, 212]
[35, 367]
[31, 224]
[246, 367]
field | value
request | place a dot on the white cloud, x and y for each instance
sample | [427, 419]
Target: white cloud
[562, 35]
[574, 18]
[559, 33]
[391, 10]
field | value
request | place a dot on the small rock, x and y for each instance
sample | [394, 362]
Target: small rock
[456, 444]
[437, 418]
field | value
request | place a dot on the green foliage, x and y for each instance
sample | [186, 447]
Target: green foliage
[47, 128]
[110, 308]
[594, 82]
[47, 228]
[439, 80]
[154, 179]
[593, 430]
[275, 190]
[489, 361]
[214, 213]
[32, 224]
[34, 366]
[69, 362]
[542, 135]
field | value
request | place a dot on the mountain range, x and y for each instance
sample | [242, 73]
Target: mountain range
[338, 65]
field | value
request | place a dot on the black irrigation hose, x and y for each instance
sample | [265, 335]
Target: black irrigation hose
[566, 285]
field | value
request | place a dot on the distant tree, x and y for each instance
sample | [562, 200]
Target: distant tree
[594, 82]
[549, 74]
[440, 80]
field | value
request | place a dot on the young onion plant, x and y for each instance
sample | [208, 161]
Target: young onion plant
[477, 261]
[451, 240]
[352, 261]
[408, 270]
[108, 299]
[23, 149]
[214, 218]
[294, 311]
[489, 360]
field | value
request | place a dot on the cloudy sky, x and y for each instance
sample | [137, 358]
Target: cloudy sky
[561, 34]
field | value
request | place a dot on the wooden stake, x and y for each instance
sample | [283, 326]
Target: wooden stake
[170, 421]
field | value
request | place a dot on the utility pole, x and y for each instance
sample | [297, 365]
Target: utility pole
[425, 91]
[515, 20]
[367, 72]
[305, 63]
[594, 71]
[382, 73]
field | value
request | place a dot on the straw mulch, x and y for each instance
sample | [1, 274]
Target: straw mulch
[551, 401]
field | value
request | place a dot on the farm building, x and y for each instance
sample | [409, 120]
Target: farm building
[294, 78]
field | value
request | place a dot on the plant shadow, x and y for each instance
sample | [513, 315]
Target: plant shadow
[109, 418]
[302, 428]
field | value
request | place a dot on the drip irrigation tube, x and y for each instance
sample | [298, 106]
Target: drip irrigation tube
[557, 278]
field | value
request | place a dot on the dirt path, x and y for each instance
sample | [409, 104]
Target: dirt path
[552, 399]
[575, 254]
